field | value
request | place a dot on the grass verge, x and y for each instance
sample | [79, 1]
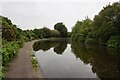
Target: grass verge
[34, 62]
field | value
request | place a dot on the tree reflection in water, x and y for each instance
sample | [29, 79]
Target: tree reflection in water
[105, 62]
[58, 45]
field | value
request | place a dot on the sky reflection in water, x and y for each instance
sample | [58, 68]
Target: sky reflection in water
[58, 59]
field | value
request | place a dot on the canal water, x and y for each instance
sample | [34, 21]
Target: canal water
[60, 58]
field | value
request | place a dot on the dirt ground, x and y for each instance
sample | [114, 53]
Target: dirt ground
[21, 66]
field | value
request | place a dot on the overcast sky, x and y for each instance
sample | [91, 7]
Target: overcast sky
[46, 13]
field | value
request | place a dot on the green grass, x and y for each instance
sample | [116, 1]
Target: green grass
[34, 60]
[8, 51]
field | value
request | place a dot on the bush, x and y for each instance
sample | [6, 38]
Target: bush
[106, 23]
[9, 50]
[8, 29]
[81, 30]
[100, 30]
[20, 42]
[1, 73]
[8, 33]
[55, 33]
[114, 41]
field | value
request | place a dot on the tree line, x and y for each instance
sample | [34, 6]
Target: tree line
[104, 29]
[13, 38]
[11, 32]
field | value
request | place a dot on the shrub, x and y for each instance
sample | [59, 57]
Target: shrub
[9, 50]
[114, 41]
[81, 30]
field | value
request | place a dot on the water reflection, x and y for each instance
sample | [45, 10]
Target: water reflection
[104, 61]
[59, 45]
[60, 48]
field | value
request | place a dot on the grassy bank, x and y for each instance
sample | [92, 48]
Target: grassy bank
[33, 60]
[13, 39]
[9, 51]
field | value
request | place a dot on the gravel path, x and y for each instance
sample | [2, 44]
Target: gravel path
[21, 66]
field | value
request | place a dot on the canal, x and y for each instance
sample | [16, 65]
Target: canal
[61, 58]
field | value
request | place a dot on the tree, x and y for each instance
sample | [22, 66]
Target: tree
[61, 28]
[47, 32]
[38, 33]
[55, 33]
[81, 30]
[8, 29]
[106, 23]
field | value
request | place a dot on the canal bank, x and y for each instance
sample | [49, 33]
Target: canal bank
[60, 58]
[21, 66]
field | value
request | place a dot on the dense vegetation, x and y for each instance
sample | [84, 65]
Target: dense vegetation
[62, 29]
[104, 29]
[81, 30]
[11, 42]
[104, 61]
[13, 38]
